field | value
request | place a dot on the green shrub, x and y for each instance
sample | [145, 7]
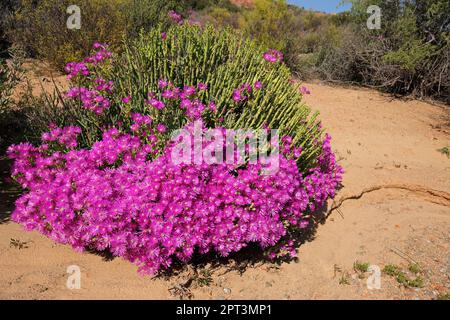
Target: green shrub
[10, 116]
[267, 22]
[9, 76]
[222, 60]
[220, 17]
[146, 14]
[361, 266]
[190, 55]
[274, 24]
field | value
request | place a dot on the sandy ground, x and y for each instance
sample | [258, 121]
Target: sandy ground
[40, 77]
[394, 209]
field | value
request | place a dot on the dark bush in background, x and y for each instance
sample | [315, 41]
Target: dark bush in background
[7, 8]
[40, 26]
[408, 55]
[11, 116]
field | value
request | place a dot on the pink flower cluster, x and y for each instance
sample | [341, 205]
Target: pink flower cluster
[125, 195]
[93, 98]
[304, 90]
[101, 53]
[75, 69]
[90, 99]
[185, 96]
[111, 198]
[273, 56]
[175, 17]
[103, 85]
[63, 136]
[244, 91]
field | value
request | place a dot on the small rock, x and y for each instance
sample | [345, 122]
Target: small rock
[227, 290]
[219, 298]
[268, 284]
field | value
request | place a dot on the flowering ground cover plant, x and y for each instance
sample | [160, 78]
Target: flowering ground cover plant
[110, 181]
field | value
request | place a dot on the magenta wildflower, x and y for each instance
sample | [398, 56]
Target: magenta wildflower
[202, 86]
[162, 83]
[212, 106]
[170, 94]
[304, 90]
[126, 100]
[161, 128]
[176, 17]
[237, 96]
[156, 103]
[185, 104]
[188, 91]
[273, 56]
[297, 152]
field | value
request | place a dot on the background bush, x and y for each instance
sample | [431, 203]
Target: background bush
[408, 55]
[40, 26]
[11, 124]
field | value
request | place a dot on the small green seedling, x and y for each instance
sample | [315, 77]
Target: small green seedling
[402, 278]
[204, 279]
[344, 279]
[445, 151]
[391, 270]
[415, 283]
[414, 268]
[361, 266]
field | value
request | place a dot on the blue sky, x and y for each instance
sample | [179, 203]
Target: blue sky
[321, 5]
